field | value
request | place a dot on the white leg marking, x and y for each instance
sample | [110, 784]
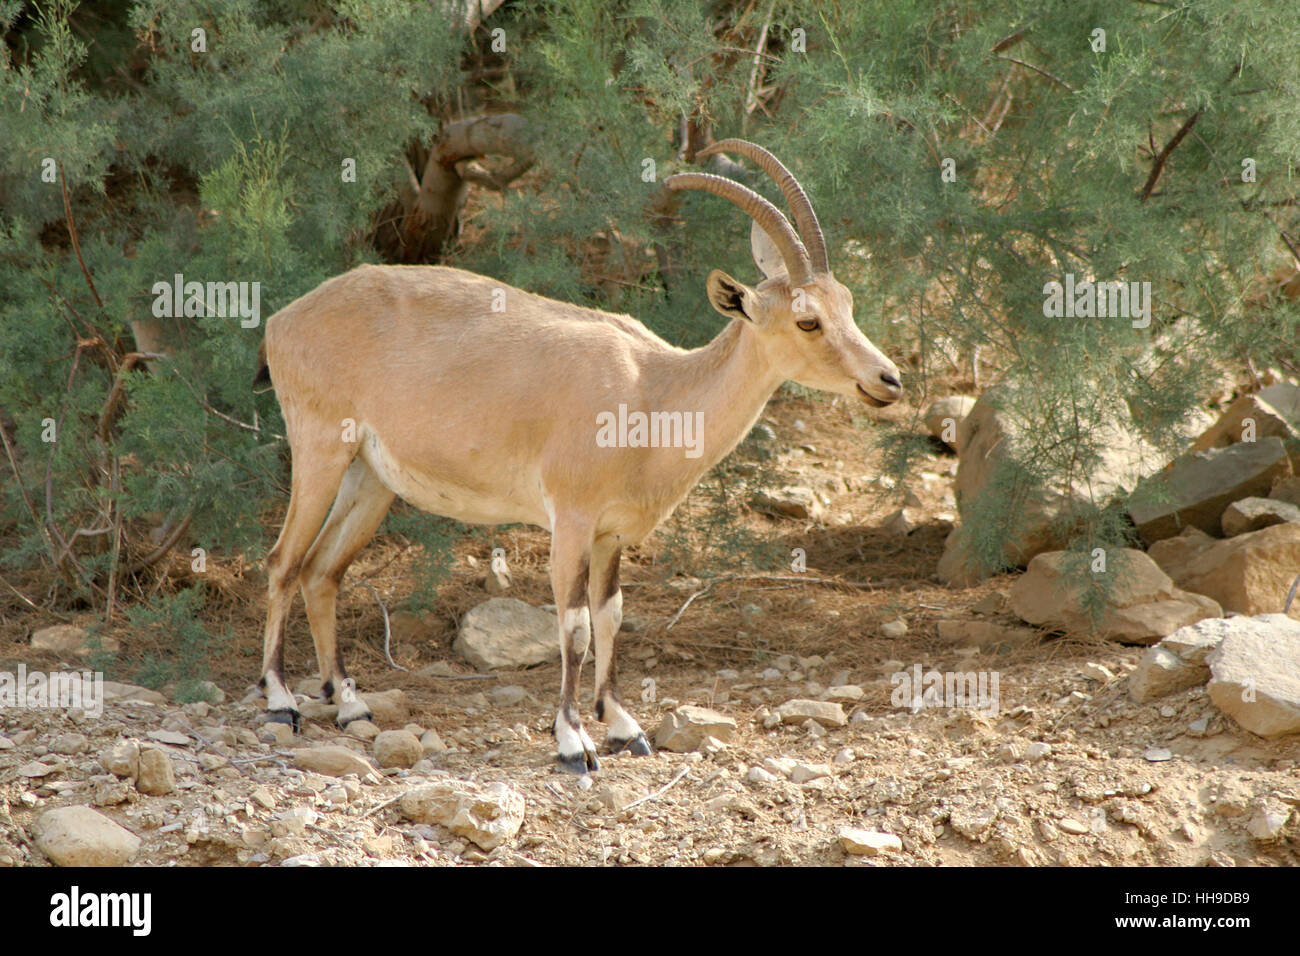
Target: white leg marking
[277, 695]
[570, 741]
[621, 724]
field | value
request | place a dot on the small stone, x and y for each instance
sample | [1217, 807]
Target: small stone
[173, 737]
[1038, 750]
[1073, 826]
[1267, 825]
[845, 755]
[1167, 711]
[894, 629]
[1158, 754]
[293, 822]
[431, 743]
[804, 772]
[868, 842]
[1097, 672]
[332, 761]
[900, 523]
[363, 729]
[397, 748]
[1199, 727]
[507, 696]
[974, 823]
[846, 693]
[275, 733]
[122, 759]
[760, 776]
[156, 775]
[684, 729]
[69, 744]
[80, 836]
[823, 712]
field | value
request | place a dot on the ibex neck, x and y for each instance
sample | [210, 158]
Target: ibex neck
[729, 380]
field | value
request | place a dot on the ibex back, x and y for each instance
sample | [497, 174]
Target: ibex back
[484, 403]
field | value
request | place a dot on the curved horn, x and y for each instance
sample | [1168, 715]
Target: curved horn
[804, 217]
[768, 217]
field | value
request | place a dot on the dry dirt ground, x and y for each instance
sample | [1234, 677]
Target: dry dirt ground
[957, 786]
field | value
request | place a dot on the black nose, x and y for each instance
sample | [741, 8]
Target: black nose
[890, 379]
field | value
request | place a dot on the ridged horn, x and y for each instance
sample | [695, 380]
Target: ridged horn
[805, 219]
[769, 218]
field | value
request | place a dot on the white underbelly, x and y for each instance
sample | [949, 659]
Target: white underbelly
[510, 504]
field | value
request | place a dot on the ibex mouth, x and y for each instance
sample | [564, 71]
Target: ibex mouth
[871, 399]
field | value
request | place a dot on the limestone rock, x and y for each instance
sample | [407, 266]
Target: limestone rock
[80, 836]
[1251, 514]
[332, 761]
[900, 523]
[397, 748]
[156, 774]
[1141, 604]
[944, 417]
[1197, 487]
[388, 706]
[823, 712]
[1250, 573]
[122, 759]
[684, 729]
[506, 632]
[868, 842]
[1262, 415]
[990, 439]
[488, 815]
[792, 501]
[1179, 660]
[1256, 674]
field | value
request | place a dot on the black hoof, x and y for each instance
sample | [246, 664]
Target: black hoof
[285, 716]
[638, 746]
[366, 716]
[579, 763]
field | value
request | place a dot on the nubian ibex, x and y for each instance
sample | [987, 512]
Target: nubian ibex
[488, 404]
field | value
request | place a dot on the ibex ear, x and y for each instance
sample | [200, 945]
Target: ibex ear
[766, 255]
[733, 299]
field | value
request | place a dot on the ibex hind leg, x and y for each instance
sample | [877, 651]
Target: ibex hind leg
[318, 468]
[606, 599]
[358, 510]
[570, 568]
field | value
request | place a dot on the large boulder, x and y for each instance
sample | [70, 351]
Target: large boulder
[487, 814]
[1250, 573]
[1256, 674]
[1179, 661]
[505, 632]
[1251, 514]
[1273, 412]
[944, 417]
[1139, 604]
[1198, 487]
[991, 441]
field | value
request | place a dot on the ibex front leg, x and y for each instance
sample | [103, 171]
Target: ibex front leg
[570, 568]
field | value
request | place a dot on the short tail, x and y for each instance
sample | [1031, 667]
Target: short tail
[263, 376]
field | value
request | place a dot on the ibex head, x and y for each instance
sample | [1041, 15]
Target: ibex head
[803, 316]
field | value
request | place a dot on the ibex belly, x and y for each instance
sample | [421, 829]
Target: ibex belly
[495, 499]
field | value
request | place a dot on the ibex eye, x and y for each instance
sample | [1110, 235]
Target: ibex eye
[809, 325]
